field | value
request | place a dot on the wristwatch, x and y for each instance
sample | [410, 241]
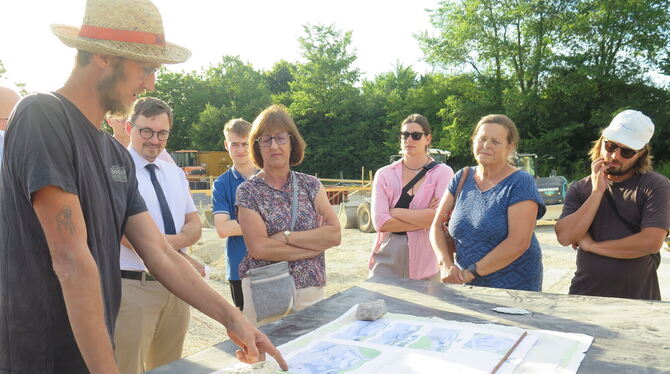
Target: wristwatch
[473, 270]
[287, 233]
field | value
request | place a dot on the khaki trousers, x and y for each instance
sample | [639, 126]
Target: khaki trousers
[151, 327]
[303, 298]
[392, 259]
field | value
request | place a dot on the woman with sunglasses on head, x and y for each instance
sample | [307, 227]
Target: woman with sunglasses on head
[269, 202]
[404, 197]
[493, 221]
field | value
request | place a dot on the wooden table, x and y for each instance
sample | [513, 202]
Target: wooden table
[631, 336]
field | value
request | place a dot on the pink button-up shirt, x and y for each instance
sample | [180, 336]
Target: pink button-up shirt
[386, 190]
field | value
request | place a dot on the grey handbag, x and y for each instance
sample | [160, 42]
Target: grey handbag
[272, 286]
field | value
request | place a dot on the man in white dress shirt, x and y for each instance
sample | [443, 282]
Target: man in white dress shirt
[118, 125]
[152, 322]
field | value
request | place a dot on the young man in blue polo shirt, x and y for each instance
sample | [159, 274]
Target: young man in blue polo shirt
[236, 132]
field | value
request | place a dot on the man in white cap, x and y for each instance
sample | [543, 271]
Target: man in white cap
[73, 190]
[618, 216]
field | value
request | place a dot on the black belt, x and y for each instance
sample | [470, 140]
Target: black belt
[137, 275]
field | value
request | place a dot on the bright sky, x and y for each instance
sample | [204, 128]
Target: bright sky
[261, 32]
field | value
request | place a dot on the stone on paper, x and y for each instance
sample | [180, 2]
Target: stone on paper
[371, 311]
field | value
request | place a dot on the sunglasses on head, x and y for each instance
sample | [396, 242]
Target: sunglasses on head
[626, 153]
[416, 135]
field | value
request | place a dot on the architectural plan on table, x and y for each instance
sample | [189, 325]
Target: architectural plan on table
[406, 344]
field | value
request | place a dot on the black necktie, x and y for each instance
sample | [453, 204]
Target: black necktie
[168, 222]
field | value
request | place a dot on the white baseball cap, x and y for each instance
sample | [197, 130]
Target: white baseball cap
[630, 128]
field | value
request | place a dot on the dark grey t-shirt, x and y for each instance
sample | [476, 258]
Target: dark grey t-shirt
[50, 142]
[644, 201]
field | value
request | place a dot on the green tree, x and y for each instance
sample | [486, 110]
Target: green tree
[496, 40]
[235, 90]
[387, 101]
[187, 95]
[391, 97]
[207, 132]
[325, 103]
[466, 102]
[618, 38]
[278, 81]
[231, 88]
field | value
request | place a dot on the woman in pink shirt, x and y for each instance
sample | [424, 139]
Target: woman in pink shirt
[403, 211]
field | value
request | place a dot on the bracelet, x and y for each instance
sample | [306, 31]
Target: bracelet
[473, 270]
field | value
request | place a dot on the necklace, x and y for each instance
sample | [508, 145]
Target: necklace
[415, 169]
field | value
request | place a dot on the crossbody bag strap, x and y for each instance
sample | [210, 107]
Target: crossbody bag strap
[447, 216]
[294, 201]
[418, 177]
[461, 182]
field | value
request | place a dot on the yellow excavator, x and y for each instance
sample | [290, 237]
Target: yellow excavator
[199, 166]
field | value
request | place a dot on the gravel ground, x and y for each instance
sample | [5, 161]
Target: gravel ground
[347, 266]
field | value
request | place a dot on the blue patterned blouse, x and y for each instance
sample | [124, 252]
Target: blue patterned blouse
[274, 206]
[479, 224]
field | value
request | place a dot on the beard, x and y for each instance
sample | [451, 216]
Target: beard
[107, 90]
[618, 171]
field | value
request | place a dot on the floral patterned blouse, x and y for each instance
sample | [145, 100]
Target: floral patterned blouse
[274, 206]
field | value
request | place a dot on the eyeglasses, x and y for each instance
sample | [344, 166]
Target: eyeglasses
[626, 153]
[149, 70]
[148, 133]
[416, 135]
[265, 141]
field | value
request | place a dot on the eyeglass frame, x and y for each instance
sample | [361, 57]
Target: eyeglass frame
[158, 133]
[404, 135]
[623, 151]
[149, 70]
[269, 144]
[146, 69]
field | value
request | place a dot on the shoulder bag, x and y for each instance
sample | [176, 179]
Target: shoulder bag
[451, 246]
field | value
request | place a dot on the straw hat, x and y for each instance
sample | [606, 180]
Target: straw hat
[126, 28]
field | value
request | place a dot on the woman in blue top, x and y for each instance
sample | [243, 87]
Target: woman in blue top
[492, 224]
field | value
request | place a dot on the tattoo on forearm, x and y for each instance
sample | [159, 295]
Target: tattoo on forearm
[64, 220]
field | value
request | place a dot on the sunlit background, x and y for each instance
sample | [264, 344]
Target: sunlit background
[259, 32]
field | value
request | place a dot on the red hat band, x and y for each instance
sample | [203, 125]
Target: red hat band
[128, 36]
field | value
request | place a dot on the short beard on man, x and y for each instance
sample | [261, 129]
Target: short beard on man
[618, 171]
[107, 90]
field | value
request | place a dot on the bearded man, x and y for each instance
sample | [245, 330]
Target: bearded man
[618, 216]
[72, 193]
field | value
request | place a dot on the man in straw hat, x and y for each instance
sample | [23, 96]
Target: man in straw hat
[618, 216]
[72, 189]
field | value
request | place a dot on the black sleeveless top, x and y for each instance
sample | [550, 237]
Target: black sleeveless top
[403, 202]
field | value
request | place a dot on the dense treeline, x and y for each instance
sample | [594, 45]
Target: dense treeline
[559, 68]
